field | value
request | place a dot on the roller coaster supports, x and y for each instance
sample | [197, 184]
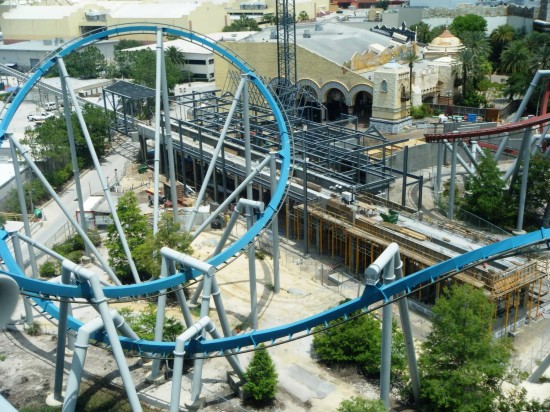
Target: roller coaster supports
[61, 340]
[440, 149]
[100, 302]
[251, 251]
[74, 159]
[519, 112]
[196, 384]
[179, 353]
[225, 235]
[468, 169]
[19, 260]
[159, 323]
[469, 154]
[385, 264]
[537, 374]
[168, 138]
[156, 160]
[523, 189]
[215, 153]
[450, 213]
[23, 207]
[79, 358]
[403, 305]
[275, 225]
[231, 197]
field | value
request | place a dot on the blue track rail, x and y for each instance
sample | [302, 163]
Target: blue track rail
[278, 334]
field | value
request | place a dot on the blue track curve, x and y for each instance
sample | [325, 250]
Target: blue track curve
[370, 296]
[253, 338]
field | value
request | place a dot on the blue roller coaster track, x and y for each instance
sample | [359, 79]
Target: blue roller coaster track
[44, 292]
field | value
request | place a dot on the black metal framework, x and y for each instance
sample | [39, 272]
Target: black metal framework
[286, 52]
[338, 154]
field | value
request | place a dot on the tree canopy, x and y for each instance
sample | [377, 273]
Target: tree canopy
[466, 23]
[243, 24]
[88, 63]
[461, 365]
[147, 254]
[135, 228]
[485, 196]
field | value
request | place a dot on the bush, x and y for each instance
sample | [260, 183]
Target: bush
[94, 236]
[144, 324]
[419, 112]
[261, 377]
[358, 404]
[50, 269]
[34, 329]
[358, 342]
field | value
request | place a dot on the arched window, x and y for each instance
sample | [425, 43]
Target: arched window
[384, 86]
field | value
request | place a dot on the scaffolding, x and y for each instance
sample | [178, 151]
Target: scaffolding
[352, 235]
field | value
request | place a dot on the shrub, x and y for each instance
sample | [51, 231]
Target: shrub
[261, 377]
[34, 329]
[419, 112]
[358, 342]
[50, 269]
[358, 404]
[144, 324]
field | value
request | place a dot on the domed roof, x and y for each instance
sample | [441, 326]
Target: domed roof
[446, 39]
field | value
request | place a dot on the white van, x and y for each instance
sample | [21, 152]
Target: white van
[49, 106]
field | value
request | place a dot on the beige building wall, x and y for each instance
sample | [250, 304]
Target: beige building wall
[65, 21]
[387, 103]
[263, 58]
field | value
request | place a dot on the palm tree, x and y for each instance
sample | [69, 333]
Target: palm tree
[477, 42]
[515, 57]
[423, 34]
[175, 55]
[541, 58]
[411, 58]
[467, 59]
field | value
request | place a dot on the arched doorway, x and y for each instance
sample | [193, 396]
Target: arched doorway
[336, 104]
[362, 107]
[308, 106]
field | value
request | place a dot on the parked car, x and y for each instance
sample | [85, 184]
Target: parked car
[41, 116]
[49, 106]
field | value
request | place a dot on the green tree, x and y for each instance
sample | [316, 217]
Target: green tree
[461, 365]
[141, 67]
[126, 44]
[539, 196]
[303, 16]
[135, 228]
[358, 342]
[516, 84]
[88, 63]
[485, 191]
[175, 55]
[243, 24]
[143, 324]
[466, 23]
[269, 18]
[261, 377]
[515, 57]
[358, 404]
[147, 254]
[411, 58]
[423, 34]
[50, 143]
[500, 37]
